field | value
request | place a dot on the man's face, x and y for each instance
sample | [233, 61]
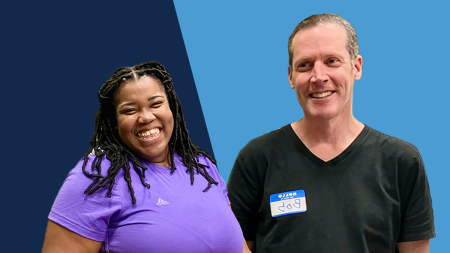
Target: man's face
[322, 73]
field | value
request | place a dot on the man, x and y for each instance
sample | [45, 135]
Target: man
[328, 183]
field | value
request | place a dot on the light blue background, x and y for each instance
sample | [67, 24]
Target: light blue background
[238, 54]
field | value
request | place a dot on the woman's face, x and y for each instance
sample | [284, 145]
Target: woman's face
[144, 119]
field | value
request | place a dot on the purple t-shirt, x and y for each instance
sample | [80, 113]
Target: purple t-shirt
[171, 216]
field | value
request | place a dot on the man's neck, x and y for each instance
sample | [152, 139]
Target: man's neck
[327, 138]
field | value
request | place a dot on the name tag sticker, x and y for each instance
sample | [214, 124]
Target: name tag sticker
[287, 203]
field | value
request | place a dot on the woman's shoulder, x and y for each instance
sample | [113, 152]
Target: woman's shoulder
[74, 209]
[212, 168]
[84, 177]
[79, 179]
[201, 159]
[94, 165]
[204, 160]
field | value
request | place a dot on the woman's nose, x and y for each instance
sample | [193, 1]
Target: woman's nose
[146, 116]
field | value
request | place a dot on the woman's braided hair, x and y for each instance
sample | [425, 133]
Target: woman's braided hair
[106, 140]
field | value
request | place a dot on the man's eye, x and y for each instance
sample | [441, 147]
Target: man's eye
[303, 66]
[332, 61]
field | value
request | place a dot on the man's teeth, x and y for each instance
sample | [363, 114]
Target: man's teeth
[147, 133]
[321, 95]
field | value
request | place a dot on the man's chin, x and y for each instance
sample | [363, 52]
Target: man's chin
[322, 115]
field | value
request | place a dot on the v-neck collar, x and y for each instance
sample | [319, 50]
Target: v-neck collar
[331, 163]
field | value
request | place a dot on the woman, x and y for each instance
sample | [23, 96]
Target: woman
[106, 203]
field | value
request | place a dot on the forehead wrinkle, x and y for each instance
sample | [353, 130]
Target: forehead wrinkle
[330, 38]
[319, 43]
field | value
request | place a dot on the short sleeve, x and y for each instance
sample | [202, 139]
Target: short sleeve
[214, 172]
[416, 205]
[245, 187]
[86, 215]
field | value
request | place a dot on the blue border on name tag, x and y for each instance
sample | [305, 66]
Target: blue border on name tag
[286, 203]
[287, 195]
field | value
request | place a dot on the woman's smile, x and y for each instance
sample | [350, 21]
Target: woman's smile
[149, 134]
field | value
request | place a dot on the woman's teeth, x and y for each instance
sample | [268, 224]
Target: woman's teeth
[153, 131]
[321, 95]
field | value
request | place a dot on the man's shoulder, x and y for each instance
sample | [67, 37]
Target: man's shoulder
[269, 139]
[393, 145]
[252, 160]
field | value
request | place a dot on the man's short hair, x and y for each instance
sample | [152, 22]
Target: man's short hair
[325, 18]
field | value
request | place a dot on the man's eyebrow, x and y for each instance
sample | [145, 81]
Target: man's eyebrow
[336, 54]
[303, 59]
[306, 58]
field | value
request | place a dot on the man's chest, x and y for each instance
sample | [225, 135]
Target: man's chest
[357, 198]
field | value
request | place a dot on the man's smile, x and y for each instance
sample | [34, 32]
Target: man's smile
[321, 94]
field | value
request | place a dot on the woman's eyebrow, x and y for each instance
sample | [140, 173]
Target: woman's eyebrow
[126, 104]
[155, 96]
[134, 103]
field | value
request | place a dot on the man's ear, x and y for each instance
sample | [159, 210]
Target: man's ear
[290, 77]
[357, 65]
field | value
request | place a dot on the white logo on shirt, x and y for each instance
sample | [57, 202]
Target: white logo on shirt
[162, 202]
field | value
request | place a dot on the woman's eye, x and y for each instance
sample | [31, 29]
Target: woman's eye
[157, 104]
[128, 111]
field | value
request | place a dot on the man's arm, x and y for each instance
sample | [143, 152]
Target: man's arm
[422, 246]
[417, 221]
[245, 187]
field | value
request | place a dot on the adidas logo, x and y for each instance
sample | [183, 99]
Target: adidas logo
[162, 202]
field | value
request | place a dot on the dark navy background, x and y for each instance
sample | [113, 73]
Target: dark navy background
[54, 58]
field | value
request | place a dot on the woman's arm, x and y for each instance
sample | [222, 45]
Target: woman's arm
[246, 247]
[250, 245]
[59, 239]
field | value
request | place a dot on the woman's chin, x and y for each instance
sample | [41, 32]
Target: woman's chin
[155, 154]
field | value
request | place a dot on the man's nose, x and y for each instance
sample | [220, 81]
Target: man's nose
[146, 116]
[319, 74]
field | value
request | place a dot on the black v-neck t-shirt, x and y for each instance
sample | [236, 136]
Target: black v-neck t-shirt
[367, 199]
